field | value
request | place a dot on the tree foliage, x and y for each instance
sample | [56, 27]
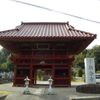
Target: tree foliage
[79, 72]
[40, 74]
[5, 62]
[88, 53]
[10, 65]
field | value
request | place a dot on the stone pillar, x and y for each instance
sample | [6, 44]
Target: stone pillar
[90, 71]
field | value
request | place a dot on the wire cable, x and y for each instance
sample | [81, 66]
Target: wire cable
[56, 11]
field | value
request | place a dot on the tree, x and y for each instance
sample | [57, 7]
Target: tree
[73, 73]
[10, 65]
[79, 72]
[79, 61]
[40, 74]
[3, 67]
[80, 64]
[88, 53]
[3, 59]
[4, 54]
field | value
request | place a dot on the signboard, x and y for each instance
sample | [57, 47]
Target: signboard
[90, 71]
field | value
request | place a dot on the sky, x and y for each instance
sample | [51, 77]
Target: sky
[13, 13]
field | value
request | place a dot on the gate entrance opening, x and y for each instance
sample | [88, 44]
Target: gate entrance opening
[42, 73]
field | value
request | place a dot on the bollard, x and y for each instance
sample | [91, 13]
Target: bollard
[50, 91]
[26, 90]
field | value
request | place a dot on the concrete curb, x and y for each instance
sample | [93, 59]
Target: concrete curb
[85, 98]
[3, 96]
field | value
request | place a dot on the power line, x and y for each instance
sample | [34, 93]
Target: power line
[56, 11]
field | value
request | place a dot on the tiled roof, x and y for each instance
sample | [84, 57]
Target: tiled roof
[45, 30]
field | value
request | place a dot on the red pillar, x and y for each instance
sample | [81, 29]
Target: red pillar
[31, 69]
[14, 81]
[53, 70]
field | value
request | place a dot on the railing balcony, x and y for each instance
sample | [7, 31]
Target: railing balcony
[40, 56]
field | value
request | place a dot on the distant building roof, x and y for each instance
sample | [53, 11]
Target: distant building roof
[45, 30]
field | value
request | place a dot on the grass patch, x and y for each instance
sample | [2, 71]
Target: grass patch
[4, 92]
[80, 80]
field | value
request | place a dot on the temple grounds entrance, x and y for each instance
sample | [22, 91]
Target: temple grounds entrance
[42, 73]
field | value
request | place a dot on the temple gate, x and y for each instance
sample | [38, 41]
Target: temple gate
[47, 46]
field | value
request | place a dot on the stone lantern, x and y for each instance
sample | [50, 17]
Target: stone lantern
[50, 91]
[26, 90]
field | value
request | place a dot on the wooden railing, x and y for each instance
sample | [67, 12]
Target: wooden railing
[39, 56]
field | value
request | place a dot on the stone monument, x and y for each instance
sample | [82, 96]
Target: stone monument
[90, 71]
[90, 86]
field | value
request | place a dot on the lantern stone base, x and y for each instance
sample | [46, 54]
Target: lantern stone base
[88, 88]
[26, 92]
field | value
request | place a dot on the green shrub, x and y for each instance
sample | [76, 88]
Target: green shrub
[40, 74]
[79, 72]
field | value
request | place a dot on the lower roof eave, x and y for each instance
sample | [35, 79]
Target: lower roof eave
[43, 38]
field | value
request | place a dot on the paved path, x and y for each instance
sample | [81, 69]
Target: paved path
[40, 92]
